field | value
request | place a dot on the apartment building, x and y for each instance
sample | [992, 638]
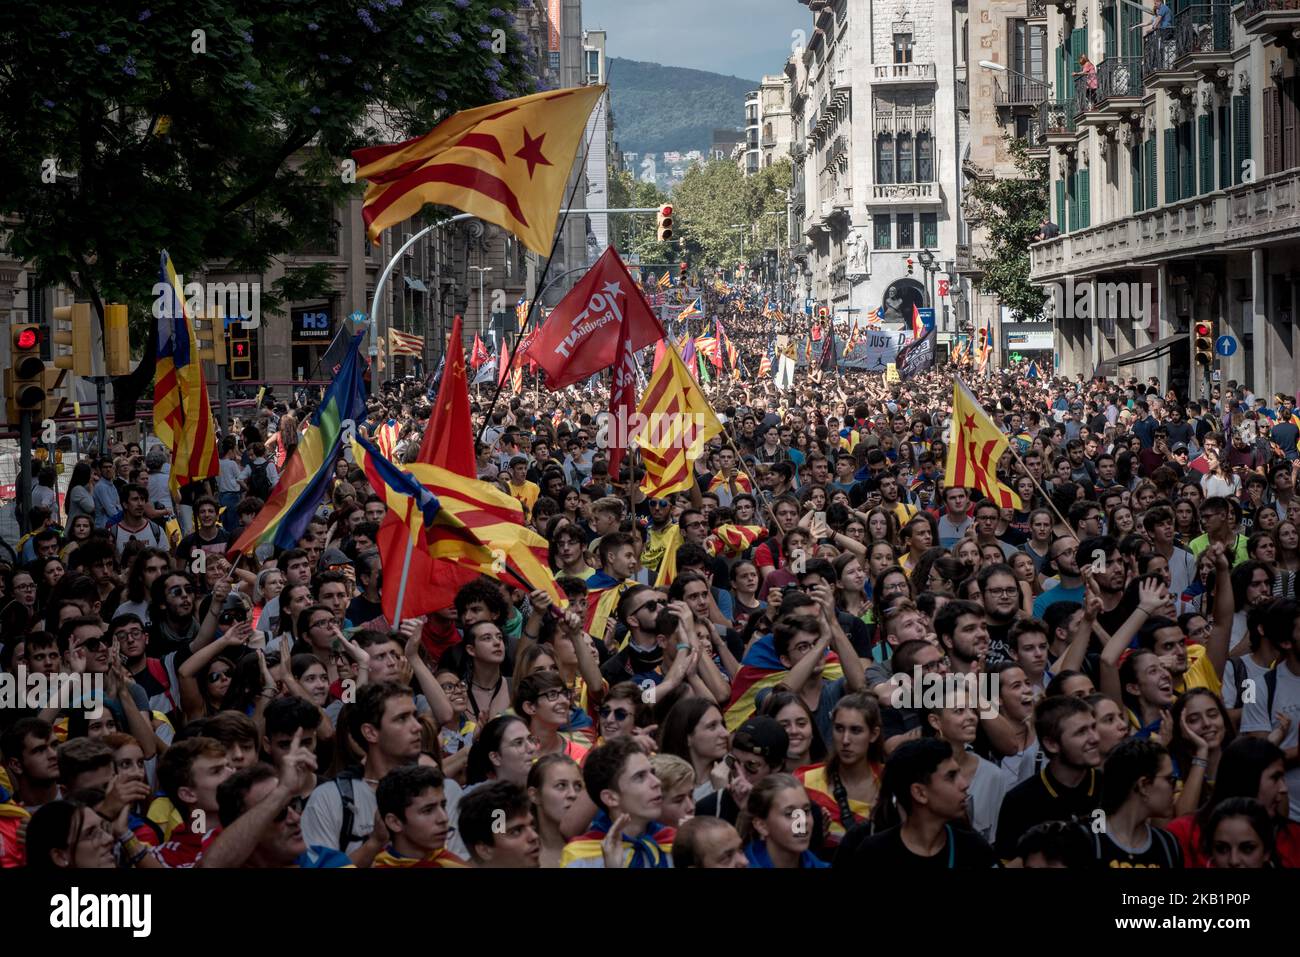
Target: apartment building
[878, 131]
[1175, 182]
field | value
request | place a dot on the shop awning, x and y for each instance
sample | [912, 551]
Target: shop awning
[1152, 350]
[416, 284]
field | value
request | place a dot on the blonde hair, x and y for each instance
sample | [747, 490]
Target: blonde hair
[672, 771]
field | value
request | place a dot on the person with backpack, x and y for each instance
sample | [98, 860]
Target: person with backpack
[260, 475]
[1249, 670]
[1272, 711]
[1137, 787]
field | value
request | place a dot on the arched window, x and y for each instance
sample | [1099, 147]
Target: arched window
[924, 158]
[885, 158]
[905, 170]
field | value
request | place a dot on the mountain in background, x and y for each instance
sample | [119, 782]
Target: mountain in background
[658, 108]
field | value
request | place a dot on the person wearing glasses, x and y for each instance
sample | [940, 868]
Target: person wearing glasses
[173, 612]
[642, 658]
[543, 700]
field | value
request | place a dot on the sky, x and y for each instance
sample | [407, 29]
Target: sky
[744, 38]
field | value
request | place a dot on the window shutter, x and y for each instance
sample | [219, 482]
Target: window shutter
[1240, 135]
[1290, 145]
[1225, 150]
[1186, 161]
[1135, 175]
[1085, 216]
[1206, 144]
[1171, 166]
[1060, 206]
[1149, 180]
[1108, 24]
[1272, 148]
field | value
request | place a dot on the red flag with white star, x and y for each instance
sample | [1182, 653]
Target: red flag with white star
[581, 335]
[507, 163]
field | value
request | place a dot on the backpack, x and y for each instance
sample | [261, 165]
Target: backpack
[344, 782]
[259, 485]
[158, 671]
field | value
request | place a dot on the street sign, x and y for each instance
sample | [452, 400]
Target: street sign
[1225, 345]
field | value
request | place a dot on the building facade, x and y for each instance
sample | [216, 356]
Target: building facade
[750, 157]
[775, 132]
[1175, 182]
[877, 129]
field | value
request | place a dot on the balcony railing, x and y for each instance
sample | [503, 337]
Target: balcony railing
[1021, 90]
[903, 73]
[1118, 77]
[1055, 117]
[905, 121]
[1270, 16]
[905, 192]
[768, 141]
[1196, 30]
[1036, 8]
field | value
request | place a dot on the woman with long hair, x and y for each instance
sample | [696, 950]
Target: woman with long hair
[882, 525]
[554, 784]
[1240, 834]
[49, 572]
[145, 568]
[846, 786]
[695, 731]
[1201, 732]
[1288, 546]
[1219, 479]
[69, 835]
[793, 714]
[745, 581]
[1119, 522]
[967, 551]
[920, 534]
[770, 825]
[937, 571]
[80, 498]
[850, 577]
[1187, 523]
[880, 556]
[503, 751]
[956, 723]
[1252, 768]
[1039, 545]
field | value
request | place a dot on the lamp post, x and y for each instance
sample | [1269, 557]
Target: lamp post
[927, 261]
[481, 270]
[949, 268]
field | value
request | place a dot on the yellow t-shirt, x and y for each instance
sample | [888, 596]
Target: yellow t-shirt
[1200, 672]
[526, 495]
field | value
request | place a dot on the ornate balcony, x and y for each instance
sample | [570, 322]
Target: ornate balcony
[903, 73]
[1199, 45]
[1279, 18]
[1036, 8]
[919, 194]
[1119, 88]
[1056, 123]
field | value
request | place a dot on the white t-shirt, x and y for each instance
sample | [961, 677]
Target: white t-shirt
[984, 798]
[1257, 716]
[1254, 672]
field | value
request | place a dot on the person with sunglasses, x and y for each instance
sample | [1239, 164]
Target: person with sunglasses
[641, 658]
[173, 612]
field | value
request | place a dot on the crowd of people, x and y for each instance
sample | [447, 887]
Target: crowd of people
[753, 696]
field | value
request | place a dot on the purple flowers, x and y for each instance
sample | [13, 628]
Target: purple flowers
[313, 27]
[497, 12]
[498, 93]
[345, 60]
[128, 67]
[364, 16]
[48, 104]
[442, 95]
[485, 44]
[64, 34]
[101, 47]
[247, 37]
[461, 4]
[437, 16]
[366, 87]
[484, 28]
[314, 111]
[145, 14]
[419, 39]
[249, 85]
[454, 39]
[324, 57]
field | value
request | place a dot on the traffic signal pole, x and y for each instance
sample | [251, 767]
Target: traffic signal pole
[24, 470]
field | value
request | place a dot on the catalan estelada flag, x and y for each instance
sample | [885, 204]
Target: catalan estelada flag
[762, 668]
[181, 413]
[650, 850]
[680, 421]
[974, 446]
[695, 308]
[308, 476]
[507, 163]
[664, 281]
[404, 344]
[445, 535]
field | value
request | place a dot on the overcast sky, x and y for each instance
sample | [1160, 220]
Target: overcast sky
[744, 38]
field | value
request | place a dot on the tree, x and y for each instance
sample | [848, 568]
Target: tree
[709, 201]
[635, 232]
[219, 129]
[1010, 211]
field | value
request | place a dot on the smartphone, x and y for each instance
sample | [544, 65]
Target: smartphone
[819, 518]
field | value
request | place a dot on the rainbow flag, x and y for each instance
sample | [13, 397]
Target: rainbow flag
[182, 416]
[759, 669]
[308, 476]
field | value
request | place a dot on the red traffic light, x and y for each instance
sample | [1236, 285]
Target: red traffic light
[26, 339]
[240, 349]
[1202, 328]
[665, 210]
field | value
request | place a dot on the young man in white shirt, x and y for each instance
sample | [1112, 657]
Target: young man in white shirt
[1278, 693]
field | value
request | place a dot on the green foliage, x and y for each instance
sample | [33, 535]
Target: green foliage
[217, 129]
[1011, 210]
[715, 198]
[636, 233]
[658, 108]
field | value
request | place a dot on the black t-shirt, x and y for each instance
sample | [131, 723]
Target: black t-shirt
[1043, 798]
[885, 853]
[361, 610]
[999, 648]
[1161, 850]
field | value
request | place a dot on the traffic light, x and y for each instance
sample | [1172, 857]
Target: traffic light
[1204, 344]
[77, 338]
[117, 341]
[682, 267]
[909, 265]
[240, 353]
[665, 231]
[26, 372]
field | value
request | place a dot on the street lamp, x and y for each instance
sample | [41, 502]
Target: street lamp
[481, 270]
[927, 261]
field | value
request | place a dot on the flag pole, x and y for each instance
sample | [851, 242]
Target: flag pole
[1011, 447]
[406, 565]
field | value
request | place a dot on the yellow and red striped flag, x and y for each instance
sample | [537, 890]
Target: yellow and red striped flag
[182, 416]
[680, 423]
[404, 344]
[975, 444]
[507, 163]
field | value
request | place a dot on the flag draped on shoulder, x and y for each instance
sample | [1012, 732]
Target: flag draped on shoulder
[762, 668]
[975, 444]
[182, 416]
[308, 475]
[507, 163]
[583, 334]
[679, 423]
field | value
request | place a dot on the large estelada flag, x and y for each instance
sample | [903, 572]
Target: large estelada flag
[974, 446]
[507, 163]
[680, 423]
[182, 416]
[309, 475]
[762, 668]
[581, 335]
[405, 344]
